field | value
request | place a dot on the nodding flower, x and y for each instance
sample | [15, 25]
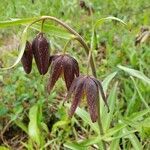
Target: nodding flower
[89, 87]
[27, 58]
[62, 65]
[41, 53]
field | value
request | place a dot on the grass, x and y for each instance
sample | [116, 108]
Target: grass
[123, 68]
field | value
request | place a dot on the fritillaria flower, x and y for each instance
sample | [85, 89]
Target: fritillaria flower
[62, 65]
[40, 48]
[27, 58]
[89, 87]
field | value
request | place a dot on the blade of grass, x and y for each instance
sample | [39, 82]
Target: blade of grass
[33, 127]
[135, 73]
[107, 80]
[22, 48]
[100, 21]
[74, 146]
[53, 30]
[15, 22]
[108, 117]
[138, 91]
[134, 140]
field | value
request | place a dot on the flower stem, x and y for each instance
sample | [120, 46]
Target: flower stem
[42, 25]
[79, 38]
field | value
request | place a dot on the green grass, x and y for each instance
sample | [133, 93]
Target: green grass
[24, 104]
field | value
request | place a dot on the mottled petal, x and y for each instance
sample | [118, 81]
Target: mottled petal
[77, 97]
[92, 95]
[55, 72]
[76, 67]
[27, 58]
[102, 92]
[52, 58]
[41, 53]
[68, 71]
[74, 84]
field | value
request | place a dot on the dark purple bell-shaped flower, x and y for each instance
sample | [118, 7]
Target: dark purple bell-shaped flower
[89, 87]
[62, 65]
[40, 48]
[27, 58]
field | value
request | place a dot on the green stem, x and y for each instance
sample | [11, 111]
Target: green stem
[42, 25]
[78, 38]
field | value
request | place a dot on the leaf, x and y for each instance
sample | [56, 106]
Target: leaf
[115, 143]
[84, 115]
[22, 48]
[134, 140]
[33, 127]
[105, 85]
[15, 22]
[53, 30]
[96, 139]
[135, 73]
[140, 95]
[115, 129]
[44, 127]
[21, 125]
[86, 118]
[137, 115]
[100, 21]
[74, 146]
[108, 117]
[107, 80]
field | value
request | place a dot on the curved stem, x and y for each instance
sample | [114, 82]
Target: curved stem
[42, 25]
[79, 38]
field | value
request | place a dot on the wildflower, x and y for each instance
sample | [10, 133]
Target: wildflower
[62, 65]
[89, 87]
[27, 58]
[40, 47]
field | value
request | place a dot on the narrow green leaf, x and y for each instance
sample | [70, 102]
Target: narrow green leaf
[33, 128]
[44, 127]
[105, 85]
[15, 22]
[108, 117]
[21, 125]
[22, 48]
[95, 140]
[86, 118]
[135, 73]
[114, 130]
[115, 143]
[107, 80]
[74, 146]
[100, 21]
[53, 30]
[84, 115]
[134, 140]
[137, 115]
[140, 95]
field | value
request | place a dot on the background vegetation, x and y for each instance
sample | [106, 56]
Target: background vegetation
[126, 126]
